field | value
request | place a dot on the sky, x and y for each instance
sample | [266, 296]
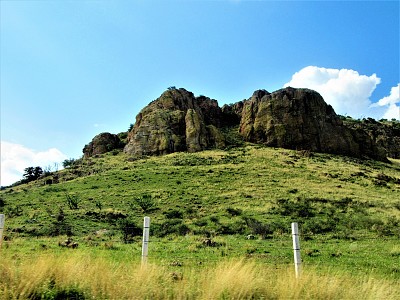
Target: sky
[70, 70]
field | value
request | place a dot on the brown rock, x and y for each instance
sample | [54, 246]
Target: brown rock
[102, 143]
[300, 119]
[288, 118]
[176, 121]
[385, 134]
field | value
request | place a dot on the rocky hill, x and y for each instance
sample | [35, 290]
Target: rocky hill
[288, 118]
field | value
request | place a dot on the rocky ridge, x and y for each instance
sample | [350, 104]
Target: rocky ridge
[289, 118]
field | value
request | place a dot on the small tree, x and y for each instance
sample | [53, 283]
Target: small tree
[32, 173]
[28, 173]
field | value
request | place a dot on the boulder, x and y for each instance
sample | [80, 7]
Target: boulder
[102, 143]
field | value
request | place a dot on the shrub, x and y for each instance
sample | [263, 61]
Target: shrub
[233, 211]
[172, 226]
[146, 203]
[129, 230]
[258, 228]
[300, 208]
[98, 204]
[72, 201]
[69, 162]
[14, 211]
[237, 227]
[58, 293]
[318, 225]
[60, 226]
[174, 214]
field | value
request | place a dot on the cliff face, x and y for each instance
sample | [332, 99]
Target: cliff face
[176, 121]
[288, 118]
[300, 119]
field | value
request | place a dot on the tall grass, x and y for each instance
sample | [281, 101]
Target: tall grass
[79, 275]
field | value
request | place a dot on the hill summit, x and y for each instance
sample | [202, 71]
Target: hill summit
[289, 118]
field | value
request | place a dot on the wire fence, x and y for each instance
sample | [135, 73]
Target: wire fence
[276, 249]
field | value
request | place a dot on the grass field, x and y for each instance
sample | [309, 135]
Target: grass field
[220, 227]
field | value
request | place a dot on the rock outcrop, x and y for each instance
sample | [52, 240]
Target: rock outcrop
[288, 118]
[176, 121]
[300, 119]
[385, 134]
[102, 143]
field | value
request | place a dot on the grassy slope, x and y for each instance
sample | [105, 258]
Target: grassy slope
[215, 194]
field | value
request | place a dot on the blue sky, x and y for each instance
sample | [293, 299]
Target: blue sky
[73, 69]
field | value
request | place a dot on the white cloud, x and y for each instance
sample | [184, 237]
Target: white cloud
[390, 103]
[346, 90]
[15, 158]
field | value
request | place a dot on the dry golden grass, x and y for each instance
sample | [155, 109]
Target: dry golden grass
[80, 274]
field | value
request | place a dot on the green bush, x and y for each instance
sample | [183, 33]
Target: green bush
[174, 214]
[129, 230]
[145, 202]
[171, 226]
[258, 228]
[60, 226]
[319, 225]
[233, 211]
[72, 201]
[14, 211]
[299, 208]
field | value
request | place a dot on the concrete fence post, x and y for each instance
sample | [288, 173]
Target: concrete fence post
[2, 220]
[145, 243]
[296, 249]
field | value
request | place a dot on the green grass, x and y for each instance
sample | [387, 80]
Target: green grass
[203, 205]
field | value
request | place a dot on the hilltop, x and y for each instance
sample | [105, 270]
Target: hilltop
[289, 118]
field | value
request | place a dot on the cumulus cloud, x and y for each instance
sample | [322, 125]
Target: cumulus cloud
[15, 158]
[346, 90]
[390, 103]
